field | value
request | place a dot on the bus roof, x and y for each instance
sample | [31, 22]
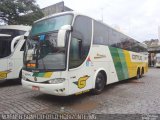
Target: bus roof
[16, 27]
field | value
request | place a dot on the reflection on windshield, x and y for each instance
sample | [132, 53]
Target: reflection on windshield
[51, 24]
[43, 53]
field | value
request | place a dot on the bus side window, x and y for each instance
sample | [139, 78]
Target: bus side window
[80, 41]
[75, 52]
[100, 34]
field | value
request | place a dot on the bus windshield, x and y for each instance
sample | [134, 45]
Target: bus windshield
[5, 46]
[42, 52]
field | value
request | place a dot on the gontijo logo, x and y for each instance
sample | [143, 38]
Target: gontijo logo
[81, 83]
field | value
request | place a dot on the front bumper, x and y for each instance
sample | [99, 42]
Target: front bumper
[60, 89]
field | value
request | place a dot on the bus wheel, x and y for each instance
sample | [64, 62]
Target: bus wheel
[20, 77]
[99, 84]
[138, 74]
[142, 72]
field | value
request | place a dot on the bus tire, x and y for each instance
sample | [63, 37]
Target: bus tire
[138, 74]
[100, 83]
[20, 77]
[142, 72]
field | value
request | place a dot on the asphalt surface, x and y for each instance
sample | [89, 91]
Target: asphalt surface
[127, 97]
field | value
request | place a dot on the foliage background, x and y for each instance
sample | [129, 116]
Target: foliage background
[17, 12]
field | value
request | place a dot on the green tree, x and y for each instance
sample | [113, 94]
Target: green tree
[19, 11]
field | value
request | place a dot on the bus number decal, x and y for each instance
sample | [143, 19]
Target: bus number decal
[3, 74]
[81, 83]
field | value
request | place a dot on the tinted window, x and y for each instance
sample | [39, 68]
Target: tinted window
[114, 38]
[126, 43]
[5, 46]
[139, 47]
[100, 34]
[80, 41]
[75, 52]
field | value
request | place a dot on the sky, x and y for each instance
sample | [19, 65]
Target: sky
[138, 19]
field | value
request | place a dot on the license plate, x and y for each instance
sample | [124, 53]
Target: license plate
[36, 88]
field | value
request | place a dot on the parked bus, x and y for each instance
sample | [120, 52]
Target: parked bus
[157, 60]
[11, 50]
[69, 53]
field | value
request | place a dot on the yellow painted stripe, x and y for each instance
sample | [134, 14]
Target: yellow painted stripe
[133, 66]
[48, 74]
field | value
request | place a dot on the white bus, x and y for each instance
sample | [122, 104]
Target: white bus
[70, 53]
[11, 50]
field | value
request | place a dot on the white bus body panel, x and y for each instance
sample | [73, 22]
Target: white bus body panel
[98, 59]
[16, 61]
[10, 67]
[54, 89]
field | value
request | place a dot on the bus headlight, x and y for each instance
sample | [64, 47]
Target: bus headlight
[57, 80]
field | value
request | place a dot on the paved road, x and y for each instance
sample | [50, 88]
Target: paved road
[131, 96]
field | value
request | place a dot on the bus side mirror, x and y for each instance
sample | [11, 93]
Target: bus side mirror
[62, 35]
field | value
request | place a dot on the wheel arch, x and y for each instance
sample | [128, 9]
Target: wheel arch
[96, 73]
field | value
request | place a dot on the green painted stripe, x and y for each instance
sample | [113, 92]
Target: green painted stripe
[35, 74]
[119, 63]
[123, 63]
[42, 74]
